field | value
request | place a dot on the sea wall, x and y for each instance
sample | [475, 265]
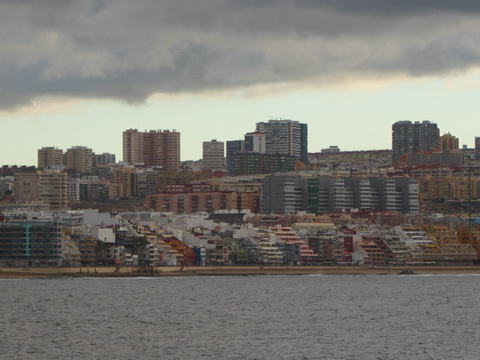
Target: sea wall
[126, 271]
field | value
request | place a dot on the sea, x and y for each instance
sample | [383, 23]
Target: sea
[242, 317]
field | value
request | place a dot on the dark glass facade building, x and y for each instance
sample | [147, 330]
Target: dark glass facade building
[408, 137]
[257, 163]
[30, 243]
[285, 137]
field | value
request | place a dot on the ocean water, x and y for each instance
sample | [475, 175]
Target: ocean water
[244, 317]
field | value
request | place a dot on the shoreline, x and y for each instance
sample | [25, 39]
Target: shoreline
[105, 271]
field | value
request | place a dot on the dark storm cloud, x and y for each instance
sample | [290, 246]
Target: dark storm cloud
[395, 8]
[128, 50]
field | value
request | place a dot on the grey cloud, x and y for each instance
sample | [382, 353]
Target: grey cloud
[395, 8]
[120, 49]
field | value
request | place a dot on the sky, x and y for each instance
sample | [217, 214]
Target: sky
[80, 72]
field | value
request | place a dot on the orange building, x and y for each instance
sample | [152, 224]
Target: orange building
[448, 142]
[188, 255]
[374, 253]
[470, 235]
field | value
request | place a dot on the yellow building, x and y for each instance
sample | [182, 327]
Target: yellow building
[49, 157]
[125, 177]
[447, 188]
[446, 250]
[446, 247]
[448, 142]
[79, 159]
[470, 235]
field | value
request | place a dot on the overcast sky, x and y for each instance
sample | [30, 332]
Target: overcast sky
[79, 72]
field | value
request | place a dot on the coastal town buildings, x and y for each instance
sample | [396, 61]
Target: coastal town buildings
[297, 250]
[158, 239]
[470, 235]
[371, 254]
[274, 208]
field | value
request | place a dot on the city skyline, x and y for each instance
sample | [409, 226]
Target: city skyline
[82, 73]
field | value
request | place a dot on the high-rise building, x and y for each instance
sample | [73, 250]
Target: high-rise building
[284, 194]
[146, 181]
[30, 243]
[448, 142]
[255, 142]
[26, 186]
[132, 149]
[104, 159]
[293, 193]
[408, 137]
[285, 137]
[152, 148]
[49, 157]
[477, 148]
[402, 139]
[126, 177]
[213, 155]
[79, 159]
[49, 187]
[52, 188]
[233, 147]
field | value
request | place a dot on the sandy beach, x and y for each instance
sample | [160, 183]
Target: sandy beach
[105, 271]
